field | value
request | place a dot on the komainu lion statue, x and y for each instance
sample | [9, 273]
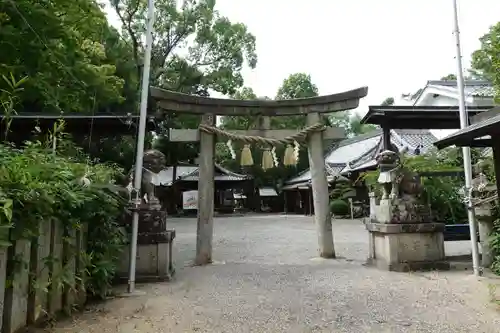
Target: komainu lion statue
[154, 161]
[397, 181]
[402, 187]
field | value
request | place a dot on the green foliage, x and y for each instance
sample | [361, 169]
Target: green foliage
[214, 49]
[388, 101]
[195, 50]
[39, 187]
[495, 244]
[342, 190]
[240, 122]
[9, 99]
[339, 207]
[485, 62]
[297, 85]
[449, 77]
[440, 193]
[75, 59]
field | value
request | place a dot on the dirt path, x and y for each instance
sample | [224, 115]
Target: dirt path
[268, 280]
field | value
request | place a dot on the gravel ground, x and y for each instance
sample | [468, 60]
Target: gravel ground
[266, 279]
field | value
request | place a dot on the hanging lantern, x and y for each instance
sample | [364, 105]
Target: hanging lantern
[296, 150]
[267, 159]
[289, 158]
[246, 156]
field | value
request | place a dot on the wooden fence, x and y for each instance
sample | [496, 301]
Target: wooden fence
[42, 277]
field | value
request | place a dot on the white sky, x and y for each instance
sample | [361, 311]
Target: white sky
[391, 46]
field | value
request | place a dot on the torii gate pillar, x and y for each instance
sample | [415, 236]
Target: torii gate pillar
[321, 197]
[206, 188]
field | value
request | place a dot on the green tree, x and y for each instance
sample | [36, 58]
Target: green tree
[388, 101]
[73, 61]
[449, 77]
[195, 50]
[485, 62]
[240, 122]
[356, 127]
[297, 85]
[67, 50]
[214, 49]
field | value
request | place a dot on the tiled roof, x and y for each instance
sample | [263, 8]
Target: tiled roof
[476, 88]
[343, 151]
[334, 168]
[411, 139]
[191, 173]
[359, 152]
[417, 137]
[164, 177]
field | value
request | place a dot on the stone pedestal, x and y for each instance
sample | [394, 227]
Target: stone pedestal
[407, 247]
[154, 248]
[485, 219]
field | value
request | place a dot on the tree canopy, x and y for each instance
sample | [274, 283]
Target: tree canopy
[485, 62]
[74, 61]
[195, 48]
[72, 58]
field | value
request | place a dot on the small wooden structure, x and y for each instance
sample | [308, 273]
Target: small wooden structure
[174, 180]
[415, 117]
[484, 131]
[209, 108]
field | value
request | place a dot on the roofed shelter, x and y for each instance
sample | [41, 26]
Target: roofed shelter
[315, 133]
[180, 178]
[416, 117]
[484, 131]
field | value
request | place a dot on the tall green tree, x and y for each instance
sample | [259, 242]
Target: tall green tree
[73, 59]
[240, 122]
[485, 62]
[195, 50]
[297, 85]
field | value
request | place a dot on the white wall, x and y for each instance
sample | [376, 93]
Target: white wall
[430, 99]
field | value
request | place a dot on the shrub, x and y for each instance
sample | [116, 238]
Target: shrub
[339, 207]
[440, 193]
[38, 187]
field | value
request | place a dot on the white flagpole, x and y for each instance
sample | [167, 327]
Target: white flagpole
[140, 144]
[466, 150]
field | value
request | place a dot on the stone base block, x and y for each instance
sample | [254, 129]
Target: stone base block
[154, 258]
[407, 247]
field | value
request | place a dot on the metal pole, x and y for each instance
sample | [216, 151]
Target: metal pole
[140, 145]
[466, 150]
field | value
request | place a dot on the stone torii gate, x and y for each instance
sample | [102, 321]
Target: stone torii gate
[209, 108]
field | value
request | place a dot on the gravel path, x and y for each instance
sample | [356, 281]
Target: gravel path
[266, 279]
